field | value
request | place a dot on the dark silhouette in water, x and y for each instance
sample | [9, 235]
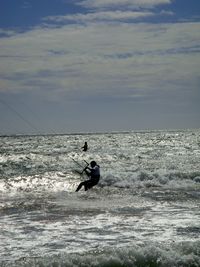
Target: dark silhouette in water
[93, 173]
[85, 147]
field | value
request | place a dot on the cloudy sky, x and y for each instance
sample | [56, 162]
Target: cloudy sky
[99, 65]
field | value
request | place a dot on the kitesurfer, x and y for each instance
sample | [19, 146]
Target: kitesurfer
[94, 173]
[85, 147]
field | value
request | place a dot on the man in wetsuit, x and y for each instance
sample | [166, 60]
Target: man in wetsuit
[94, 173]
[85, 147]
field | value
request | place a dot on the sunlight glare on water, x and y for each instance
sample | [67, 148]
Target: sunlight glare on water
[147, 198]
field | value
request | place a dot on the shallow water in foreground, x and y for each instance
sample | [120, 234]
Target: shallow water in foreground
[144, 212]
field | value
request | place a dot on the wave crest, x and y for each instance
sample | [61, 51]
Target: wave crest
[152, 179]
[185, 254]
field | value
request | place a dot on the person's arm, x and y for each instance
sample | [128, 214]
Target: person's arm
[87, 170]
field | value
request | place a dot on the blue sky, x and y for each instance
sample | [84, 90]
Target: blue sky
[99, 65]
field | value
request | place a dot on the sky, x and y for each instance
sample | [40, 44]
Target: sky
[78, 66]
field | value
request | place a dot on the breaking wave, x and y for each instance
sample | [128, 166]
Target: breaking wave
[59, 181]
[184, 254]
[153, 179]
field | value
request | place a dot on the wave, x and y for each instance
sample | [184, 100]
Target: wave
[184, 254]
[59, 181]
[153, 179]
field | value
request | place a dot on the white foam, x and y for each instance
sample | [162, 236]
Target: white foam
[176, 255]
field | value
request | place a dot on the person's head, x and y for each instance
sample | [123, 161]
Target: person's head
[93, 163]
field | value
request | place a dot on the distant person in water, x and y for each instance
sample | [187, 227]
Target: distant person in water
[85, 147]
[94, 173]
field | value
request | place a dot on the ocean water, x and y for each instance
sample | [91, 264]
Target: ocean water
[145, 212]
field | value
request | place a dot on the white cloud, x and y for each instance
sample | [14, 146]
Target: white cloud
[100, 16]
[111, 60]
[166, 12]
[123, 3]
[26, 5]
[4, 32]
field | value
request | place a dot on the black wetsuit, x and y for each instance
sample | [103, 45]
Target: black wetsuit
[85, 147]
[94, 178]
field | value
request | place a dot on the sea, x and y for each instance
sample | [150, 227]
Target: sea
[145, 211]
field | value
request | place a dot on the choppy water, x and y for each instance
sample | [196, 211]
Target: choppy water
[145, 211]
